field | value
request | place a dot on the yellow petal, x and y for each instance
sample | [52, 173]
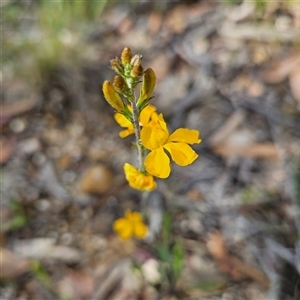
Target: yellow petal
[133, 216]
[126, 132]
[130, 171]
[153, 138]
[157, 163]
[146, 114]
[163, 124]
[126, 234]
[111, 96]
[149, 183]
[157, 121]
[143, 183]
[140, 230]
[181, 153]
[119, 224]
[124, 228]
[122, 120]
[185, 135]
[138, 180]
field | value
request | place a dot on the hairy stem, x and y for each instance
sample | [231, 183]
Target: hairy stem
[137, 132]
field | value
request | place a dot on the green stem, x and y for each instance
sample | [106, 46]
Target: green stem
[137, 132]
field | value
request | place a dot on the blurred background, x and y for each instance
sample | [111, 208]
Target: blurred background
[225, 227]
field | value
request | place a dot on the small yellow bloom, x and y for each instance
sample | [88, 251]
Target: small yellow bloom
[138, 180]
[131, 225]
[156, 138]
[145, 116]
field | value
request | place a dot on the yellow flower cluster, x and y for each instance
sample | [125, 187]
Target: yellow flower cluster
[156, 146]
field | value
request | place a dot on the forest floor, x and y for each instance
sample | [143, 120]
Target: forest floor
[225, 227]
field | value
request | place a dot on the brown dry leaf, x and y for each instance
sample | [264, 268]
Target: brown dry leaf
[250, 272]
[77, 285]
[258, 150]
[9, 110]
[12, 265]
[295, 82]
[6, 149]
[279, 70]
[231, 265]
[217, 248]
[227, 129]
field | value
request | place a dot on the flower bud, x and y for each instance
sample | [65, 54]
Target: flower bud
[117, 66]
[112, 97]
[126, 56]
[137, 71]
[147, 86]
[136, 60]
[120, 85]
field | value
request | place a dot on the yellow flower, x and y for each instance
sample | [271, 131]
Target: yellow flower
[145, 116]
[156, 138]
[131, 225]
[138, 180]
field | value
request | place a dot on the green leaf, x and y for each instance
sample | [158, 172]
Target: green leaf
[177, 259]
[163, 252]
